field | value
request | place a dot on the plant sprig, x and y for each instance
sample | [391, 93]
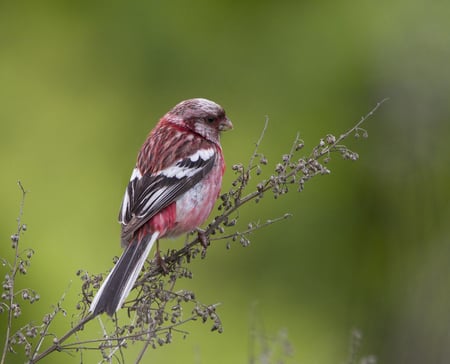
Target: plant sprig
[157, 310]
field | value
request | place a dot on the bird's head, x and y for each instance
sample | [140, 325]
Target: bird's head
[202, 116]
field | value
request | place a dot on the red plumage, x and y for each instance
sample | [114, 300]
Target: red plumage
[172, 190]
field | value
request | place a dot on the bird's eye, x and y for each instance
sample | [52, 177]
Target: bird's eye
[210, 119]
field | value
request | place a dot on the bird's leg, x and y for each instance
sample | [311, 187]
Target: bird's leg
[160, 260]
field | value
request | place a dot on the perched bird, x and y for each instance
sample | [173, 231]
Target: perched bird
[172, 190]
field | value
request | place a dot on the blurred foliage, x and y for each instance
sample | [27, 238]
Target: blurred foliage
[81, 83]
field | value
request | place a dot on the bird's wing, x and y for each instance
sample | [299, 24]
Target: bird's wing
[148, 194]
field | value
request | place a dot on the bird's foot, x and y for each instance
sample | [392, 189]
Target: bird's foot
[159, 260]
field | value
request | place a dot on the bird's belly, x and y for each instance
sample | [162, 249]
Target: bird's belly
[194, 207]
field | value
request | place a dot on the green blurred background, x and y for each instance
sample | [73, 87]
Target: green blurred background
[82, 83]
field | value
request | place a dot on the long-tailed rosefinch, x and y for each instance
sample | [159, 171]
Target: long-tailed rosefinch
[172, 190]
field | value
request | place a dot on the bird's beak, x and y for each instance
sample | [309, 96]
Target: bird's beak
[225, 125]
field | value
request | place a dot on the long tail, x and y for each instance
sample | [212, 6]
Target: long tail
[120, 280]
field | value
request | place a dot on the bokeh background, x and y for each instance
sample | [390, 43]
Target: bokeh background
[368, 247]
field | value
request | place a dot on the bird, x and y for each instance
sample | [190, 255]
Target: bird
[172, 190]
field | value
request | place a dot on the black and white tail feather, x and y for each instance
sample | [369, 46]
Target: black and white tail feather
[122, 277]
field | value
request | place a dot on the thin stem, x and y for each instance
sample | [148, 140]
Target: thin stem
[351, 130]
[254, 227]
[13, 272]
[57, 344]
[245, 173]
[258, 143]
[48, 322]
